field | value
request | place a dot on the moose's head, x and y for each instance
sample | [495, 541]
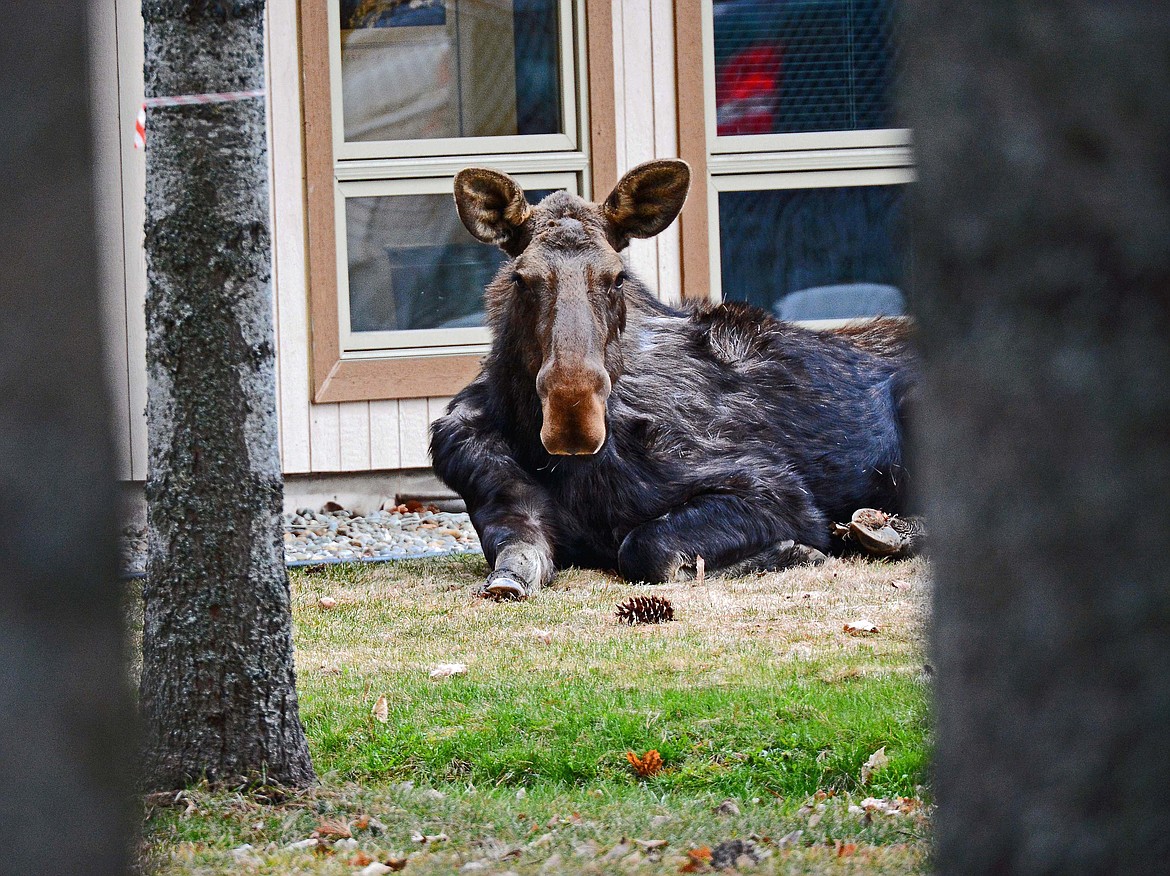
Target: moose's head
[563, 291]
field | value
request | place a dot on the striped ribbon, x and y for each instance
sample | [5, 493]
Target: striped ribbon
[186, 100]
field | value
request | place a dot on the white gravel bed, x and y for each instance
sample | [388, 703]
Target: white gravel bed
[341, 536]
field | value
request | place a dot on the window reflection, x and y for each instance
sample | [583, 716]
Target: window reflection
[412, 264]
[785, 66]
[426, 69]
[807, 254]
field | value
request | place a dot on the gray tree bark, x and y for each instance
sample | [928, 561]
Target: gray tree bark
[1042, 232]
[66, 714]
[218, 693]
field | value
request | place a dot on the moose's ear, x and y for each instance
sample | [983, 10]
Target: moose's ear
[646, 200]
[493, 207]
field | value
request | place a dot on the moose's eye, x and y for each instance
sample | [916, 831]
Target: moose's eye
[619, 280]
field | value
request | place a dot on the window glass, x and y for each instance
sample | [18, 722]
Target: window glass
[805, 254]
[412, 264]
[424, 69]
[787, 66]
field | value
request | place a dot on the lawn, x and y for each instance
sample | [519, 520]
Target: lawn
[763, 709]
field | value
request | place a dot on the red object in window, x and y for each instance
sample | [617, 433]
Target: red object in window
[745, 91]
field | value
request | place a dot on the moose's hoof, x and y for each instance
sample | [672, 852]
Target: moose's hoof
[886, 535]
[806, 555]
[502, 586]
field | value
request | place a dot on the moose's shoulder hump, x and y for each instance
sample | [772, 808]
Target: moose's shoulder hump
[736, 332]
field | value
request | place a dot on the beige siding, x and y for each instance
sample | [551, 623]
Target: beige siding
[647, 119]
[349, 436]
[108, 201]
[117, 91]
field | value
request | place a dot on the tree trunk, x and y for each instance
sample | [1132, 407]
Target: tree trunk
[218, 688]
[66, 714]
[1042, 229]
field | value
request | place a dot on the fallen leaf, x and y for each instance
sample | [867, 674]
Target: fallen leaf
[646, 766]
[381, 711]
[697, 860]
[396, 864]
[376, 868]
[727, 807]
[619, 851]
[876, 761]
[360, 859]
[845, 850]
[790, 839]
[446, 670]
[542, 636]
[327, 602]
[332, 829]
[650, 845]
[588, 849]
[860, 628]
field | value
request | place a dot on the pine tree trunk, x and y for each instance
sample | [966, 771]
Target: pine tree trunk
[66, 712]
[1042, 230]
[218, 687]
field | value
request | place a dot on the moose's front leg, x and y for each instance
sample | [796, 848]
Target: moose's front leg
[733, 534]
[517, 546]
[511, 512]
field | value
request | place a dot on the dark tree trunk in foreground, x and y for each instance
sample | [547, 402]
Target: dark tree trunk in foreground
[218, 688]
[1043, 290]
[66, 716]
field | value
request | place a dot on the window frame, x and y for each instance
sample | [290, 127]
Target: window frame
[340, 374]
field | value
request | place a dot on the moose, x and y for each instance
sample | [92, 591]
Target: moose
[609, 430]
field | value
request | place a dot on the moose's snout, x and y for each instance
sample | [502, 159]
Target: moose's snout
[573, 409]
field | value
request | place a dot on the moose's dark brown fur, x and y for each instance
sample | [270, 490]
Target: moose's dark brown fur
[608, 430]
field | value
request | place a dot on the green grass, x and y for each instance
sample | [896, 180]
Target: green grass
[755, 694]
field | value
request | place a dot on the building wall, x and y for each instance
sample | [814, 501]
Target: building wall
[347, 436]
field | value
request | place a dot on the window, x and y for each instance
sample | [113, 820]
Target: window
[399, 96]
[804, 164]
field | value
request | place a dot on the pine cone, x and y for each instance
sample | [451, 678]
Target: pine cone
[645, 610]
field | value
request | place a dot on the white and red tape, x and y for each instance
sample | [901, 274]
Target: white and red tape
[186, 100]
